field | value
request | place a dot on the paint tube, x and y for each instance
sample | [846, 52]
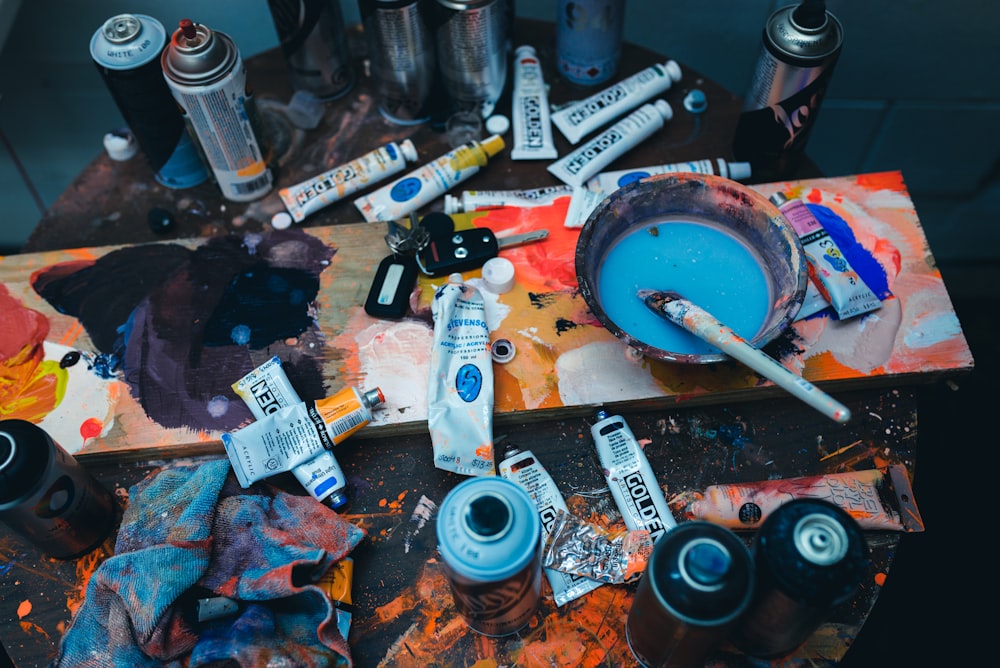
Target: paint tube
[336, 583]
[630, 477]
[879, 499]
[583, 117]
[293, 435]
[580, 207]
[608, 182]
[266, 389]
[421, 186]
[530, 107]
[320, 191]
[525, 470]
[482, 200]
[607, 146]
[828, 268]
[584, 549]
[460, 383]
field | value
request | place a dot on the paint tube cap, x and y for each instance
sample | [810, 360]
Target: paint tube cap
[525, 50]
[493, 145]
[120, 145]
[502, 351]
[673, 69]
[497, 124]
[498, 275]
[665, 109]
[739, 170]
[281, 220]
[452, 204]
[336, 499]
[778, 199]
[408, 150]
[695, 101]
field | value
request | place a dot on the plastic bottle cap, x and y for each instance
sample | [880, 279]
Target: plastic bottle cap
[497, 124]
[281, 220]
[120, 145]
[498, 274]
[525, 50]
[739, 170]
[493, 145]
[695, 101]
[673, 70]
[452, 204]
[665, 109]
[409, 150]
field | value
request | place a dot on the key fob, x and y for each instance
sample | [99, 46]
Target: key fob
[389, 295]
[459, 251]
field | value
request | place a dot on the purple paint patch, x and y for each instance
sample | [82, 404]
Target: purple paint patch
[863, 262]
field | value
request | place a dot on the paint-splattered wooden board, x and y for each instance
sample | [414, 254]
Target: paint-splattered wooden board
[157, 341]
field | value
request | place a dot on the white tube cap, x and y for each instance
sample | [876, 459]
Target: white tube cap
[498, 275]
[665, 109]
[281, 221]
[408, 149]
[673, 70]
[497, 124]
[120, 145]
[452, 204]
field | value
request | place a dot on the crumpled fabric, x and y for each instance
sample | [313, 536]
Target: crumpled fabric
[190, 531]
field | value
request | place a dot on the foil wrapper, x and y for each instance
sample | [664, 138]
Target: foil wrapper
[582, 548]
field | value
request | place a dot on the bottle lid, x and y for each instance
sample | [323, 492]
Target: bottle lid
[281, 220]
[373, 398]
[452, 204]
[497, 124]
[336, 500]
[409, 150]
[739, 170]
[665, 109]
[493, 145]
[673, 70]
[498, 274]
[120, 145]
[695, 101]
[525, 50]
[778, 199]
[502, 351]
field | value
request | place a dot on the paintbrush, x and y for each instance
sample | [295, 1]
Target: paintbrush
[673, 307]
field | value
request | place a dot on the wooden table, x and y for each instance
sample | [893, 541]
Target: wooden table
[391, 480]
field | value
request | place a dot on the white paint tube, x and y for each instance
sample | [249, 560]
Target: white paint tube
[530, 108]
[630, 477]
[293, 435]
[320, 191]
[267, 389]
[421, 186]
[577, 167]
[460, 383]
[608, 182]
[482, 200]
[581, 206]
[583, 117]
[524, 469]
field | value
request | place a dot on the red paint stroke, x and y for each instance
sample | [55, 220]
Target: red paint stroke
[91, 428]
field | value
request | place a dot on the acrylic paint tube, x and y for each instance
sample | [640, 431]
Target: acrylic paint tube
[482, 200]
[630, 477]
[583, 117]
[608, 182]
[524, 469]
[320, 191]
[296, 433]
[607, 146]
[530, 108]
[460, 382]
[266, 389]
[336, 583]
[582, 204]
[421, 186]
[828, 268]
[878, 499]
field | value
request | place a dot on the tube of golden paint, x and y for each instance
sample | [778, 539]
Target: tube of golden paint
[877, 499]
[336, 583]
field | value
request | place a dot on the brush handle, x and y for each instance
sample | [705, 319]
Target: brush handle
[703, 325]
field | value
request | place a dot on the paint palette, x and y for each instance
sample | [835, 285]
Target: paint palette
[716, 242]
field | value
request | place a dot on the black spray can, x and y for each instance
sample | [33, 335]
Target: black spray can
[801, 46]
[47, 497]
[313, 40]
[698, 581]
[810, 557]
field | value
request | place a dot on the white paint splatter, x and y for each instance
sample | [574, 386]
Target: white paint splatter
[594, 373]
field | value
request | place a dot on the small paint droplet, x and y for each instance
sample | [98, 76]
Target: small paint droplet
[91, 428]
[240, 335]
[218, 406]
[880, 579]
[69, 359]
[24, 609]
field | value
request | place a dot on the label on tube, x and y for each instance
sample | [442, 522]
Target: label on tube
[482, 200]
[530, 108]
[525, 470]
[630, 478]
[585, 116]
[608, 182]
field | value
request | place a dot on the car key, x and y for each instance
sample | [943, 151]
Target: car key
[467, 249]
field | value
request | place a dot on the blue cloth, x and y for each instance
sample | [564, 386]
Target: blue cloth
[190, 531]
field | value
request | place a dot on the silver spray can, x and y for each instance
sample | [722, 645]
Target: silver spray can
[489, 535]
[802, 44]
[209, 81]
[126, 51]
[589, 39]
[472, 47]
[313, 40]
[401, 54]
[47, 497]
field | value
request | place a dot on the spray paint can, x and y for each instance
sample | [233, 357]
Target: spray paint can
[810, 557]
[47, 497]
[205, 73]
[698, 581]
[401, 54]
[589, 39]
[801, 47]
[312, 38]
[126, 51]
[489, 535]
[472, 47]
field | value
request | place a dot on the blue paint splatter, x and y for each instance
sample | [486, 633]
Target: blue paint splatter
[240, 335]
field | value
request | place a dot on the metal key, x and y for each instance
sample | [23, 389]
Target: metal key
[467, 249]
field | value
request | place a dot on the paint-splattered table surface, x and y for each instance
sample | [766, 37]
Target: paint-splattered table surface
[700, 425]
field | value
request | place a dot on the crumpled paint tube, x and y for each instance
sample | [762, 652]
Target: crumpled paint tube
[460, 383]
[879, 499]
[582, 548]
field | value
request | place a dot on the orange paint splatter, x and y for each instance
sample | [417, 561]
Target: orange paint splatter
[880, 579]
[24, 609]
[30, 627]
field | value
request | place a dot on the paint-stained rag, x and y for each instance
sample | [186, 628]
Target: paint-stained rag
[190, 531]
